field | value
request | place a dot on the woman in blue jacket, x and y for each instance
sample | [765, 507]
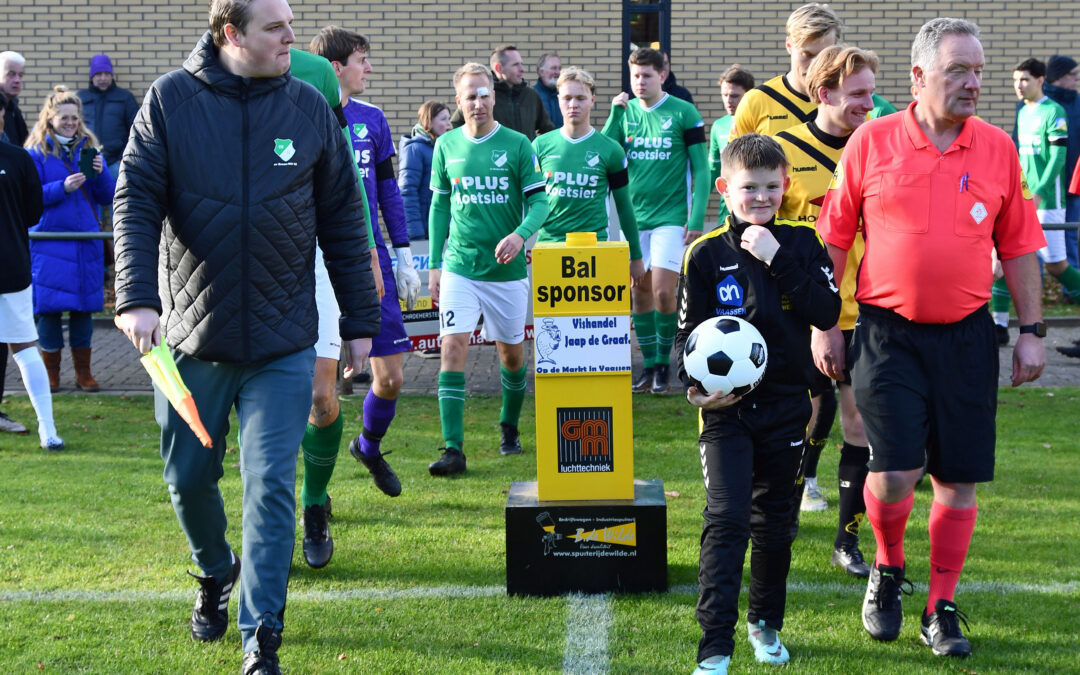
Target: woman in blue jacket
[68, 275]
[414, 168]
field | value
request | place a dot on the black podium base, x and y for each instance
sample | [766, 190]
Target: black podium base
[586, 546]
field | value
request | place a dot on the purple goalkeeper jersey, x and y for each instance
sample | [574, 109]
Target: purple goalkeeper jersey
[373, 147]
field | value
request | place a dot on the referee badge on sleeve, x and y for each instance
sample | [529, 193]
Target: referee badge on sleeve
[837, 177]
[1024, 189]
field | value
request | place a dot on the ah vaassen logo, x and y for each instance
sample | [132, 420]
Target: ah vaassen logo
[584, 440]
[729, 292]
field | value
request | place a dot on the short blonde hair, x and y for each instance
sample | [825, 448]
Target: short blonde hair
[834, 64]
[473, 68]
[813, 21]
[575, 74]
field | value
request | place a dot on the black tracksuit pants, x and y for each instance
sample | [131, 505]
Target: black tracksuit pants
[750, 455]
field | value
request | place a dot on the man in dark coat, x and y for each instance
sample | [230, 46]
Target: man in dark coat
[233, 168]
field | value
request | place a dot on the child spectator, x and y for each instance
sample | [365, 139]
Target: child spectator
[750, 446]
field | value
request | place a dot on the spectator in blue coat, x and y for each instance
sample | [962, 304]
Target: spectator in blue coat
[414, 167]
[108, 111]
[547, 69]
[68, 275]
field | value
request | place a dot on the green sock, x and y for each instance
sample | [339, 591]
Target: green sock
[999, 296]
[452, 407]
[665, 337]
[320, 446]
[513, 394]
[645, 328]
[1070, 279]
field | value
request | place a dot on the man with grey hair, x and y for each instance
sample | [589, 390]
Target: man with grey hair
[937, 190]
[12, 67]
[548, 69]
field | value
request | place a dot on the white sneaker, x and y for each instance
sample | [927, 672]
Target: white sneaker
[52, 443]
[813, 498]
[714, 665]
[766, 644]
[11, 426]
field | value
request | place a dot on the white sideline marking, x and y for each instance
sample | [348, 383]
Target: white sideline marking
[588, 622]
[847, 588]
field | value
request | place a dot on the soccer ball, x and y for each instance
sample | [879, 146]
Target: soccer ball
[725, 354]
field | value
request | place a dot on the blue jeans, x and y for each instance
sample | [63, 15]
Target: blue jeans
[1072, 215]
[51, 332]
[272, 401]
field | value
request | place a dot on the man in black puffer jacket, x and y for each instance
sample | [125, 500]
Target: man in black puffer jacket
[232, 170]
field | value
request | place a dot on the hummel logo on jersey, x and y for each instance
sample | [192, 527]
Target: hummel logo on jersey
[360, 130]
[284, 149]
[829, 275]
[778, 117]
[455, 160]
[592, 158]
[798, 169]
[978, 212]
[498, 157]
[665, 122]
[795, 444]
[728, 268]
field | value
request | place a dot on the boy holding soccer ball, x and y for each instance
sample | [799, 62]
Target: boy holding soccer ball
[776, 275]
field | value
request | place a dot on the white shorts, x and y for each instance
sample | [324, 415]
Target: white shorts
[662, 247]
[329, 344]
[503, 305]
[1054, 251]
[17, 317]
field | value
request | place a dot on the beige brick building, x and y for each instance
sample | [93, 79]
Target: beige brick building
[418, 45]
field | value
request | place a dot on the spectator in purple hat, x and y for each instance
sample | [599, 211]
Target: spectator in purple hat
[108, 110]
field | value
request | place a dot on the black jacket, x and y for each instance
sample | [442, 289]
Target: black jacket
[519, 108]
[14, 125]
[20, 209]
[109, 115]
[244, 173]
[782, 300]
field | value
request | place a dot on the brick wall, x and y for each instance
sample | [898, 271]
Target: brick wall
[418, 45]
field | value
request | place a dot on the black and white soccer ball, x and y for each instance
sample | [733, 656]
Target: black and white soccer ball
[725, 354]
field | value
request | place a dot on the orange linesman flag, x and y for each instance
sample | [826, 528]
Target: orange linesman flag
[159, 363]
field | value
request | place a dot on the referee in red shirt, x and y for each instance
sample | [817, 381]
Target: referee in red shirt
[935, 190]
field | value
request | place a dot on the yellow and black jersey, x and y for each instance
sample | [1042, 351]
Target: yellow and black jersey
[812, 157]
[772, 107]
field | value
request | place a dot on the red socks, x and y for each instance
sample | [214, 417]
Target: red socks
[889, 521]
[950, 537]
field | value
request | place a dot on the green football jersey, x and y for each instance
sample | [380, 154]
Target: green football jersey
[656, 141]
[1042, 134]
[718, 140]
[578, 173]
[487, 179]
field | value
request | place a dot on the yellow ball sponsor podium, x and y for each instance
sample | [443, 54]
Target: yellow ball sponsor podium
[585, 524]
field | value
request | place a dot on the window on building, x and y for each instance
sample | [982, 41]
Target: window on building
[645, 24]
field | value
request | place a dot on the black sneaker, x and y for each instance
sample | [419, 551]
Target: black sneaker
[643, 382]
[210, 618]
[849, 558]
[264, 660]
[451, 462]
[941, 630]
[384, 477]
[1002, 333]
[660, 379]
[510, 443]
[882, 611]
[318, 544]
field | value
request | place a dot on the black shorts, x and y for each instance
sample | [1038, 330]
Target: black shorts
[927, 391]
[848, 337]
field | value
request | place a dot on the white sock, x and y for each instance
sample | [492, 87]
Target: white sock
[36, 381]
[1001, 318]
